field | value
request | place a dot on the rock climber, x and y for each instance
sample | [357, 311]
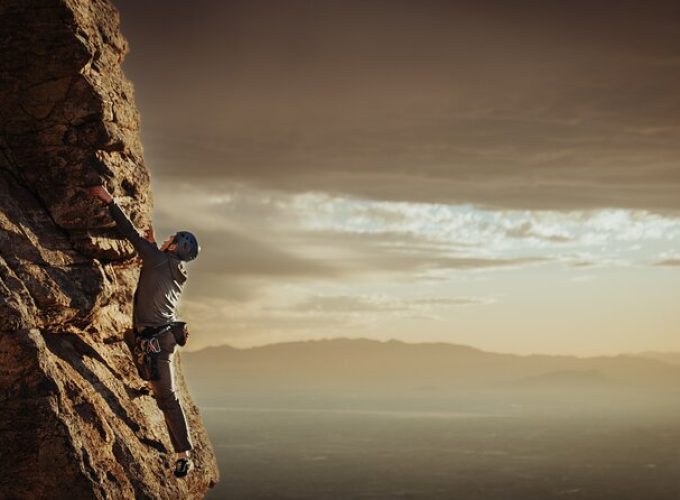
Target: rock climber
[160, 286]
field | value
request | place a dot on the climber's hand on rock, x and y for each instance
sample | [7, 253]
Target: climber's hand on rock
[101, 193]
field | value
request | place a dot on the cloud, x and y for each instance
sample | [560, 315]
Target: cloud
[234, 266]
[397, 262]
[378, 303]
[556, 106]
[667, 259]
[528, 230]
[230, 260]
[249, 234]
[668, 263]
[217, 321]
[232, 254]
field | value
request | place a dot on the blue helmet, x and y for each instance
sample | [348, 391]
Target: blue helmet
[187, 245]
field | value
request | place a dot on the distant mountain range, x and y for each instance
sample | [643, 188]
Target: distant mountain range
[672, 358]
[343, 364]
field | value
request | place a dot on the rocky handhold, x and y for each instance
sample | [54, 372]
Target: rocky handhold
[73, 420]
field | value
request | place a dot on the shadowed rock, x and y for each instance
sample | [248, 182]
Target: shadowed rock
[73, 419]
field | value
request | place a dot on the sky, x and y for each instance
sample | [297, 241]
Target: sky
[504, 175]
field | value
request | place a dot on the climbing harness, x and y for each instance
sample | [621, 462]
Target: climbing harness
[146, 351]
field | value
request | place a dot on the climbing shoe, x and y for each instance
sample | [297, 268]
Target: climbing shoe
[182, 467]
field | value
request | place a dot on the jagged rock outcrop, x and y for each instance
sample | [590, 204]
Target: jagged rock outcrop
[73, 422]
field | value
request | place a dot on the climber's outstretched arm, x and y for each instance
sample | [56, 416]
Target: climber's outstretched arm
[145, 248]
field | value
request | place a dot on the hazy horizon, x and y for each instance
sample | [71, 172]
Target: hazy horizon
[490, 174]
[191, 349]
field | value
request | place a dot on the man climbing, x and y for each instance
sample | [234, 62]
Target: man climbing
[160, 286]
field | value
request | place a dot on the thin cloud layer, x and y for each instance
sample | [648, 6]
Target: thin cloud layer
[668, 263]
[251, 235]
[363, 304]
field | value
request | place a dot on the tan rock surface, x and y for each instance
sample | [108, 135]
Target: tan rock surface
[73, 422]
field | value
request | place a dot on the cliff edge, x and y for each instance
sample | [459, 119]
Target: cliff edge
[73, 420]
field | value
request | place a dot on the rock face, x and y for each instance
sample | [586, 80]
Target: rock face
[73, 420]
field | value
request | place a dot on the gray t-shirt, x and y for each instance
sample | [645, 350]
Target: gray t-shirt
[161, 280]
